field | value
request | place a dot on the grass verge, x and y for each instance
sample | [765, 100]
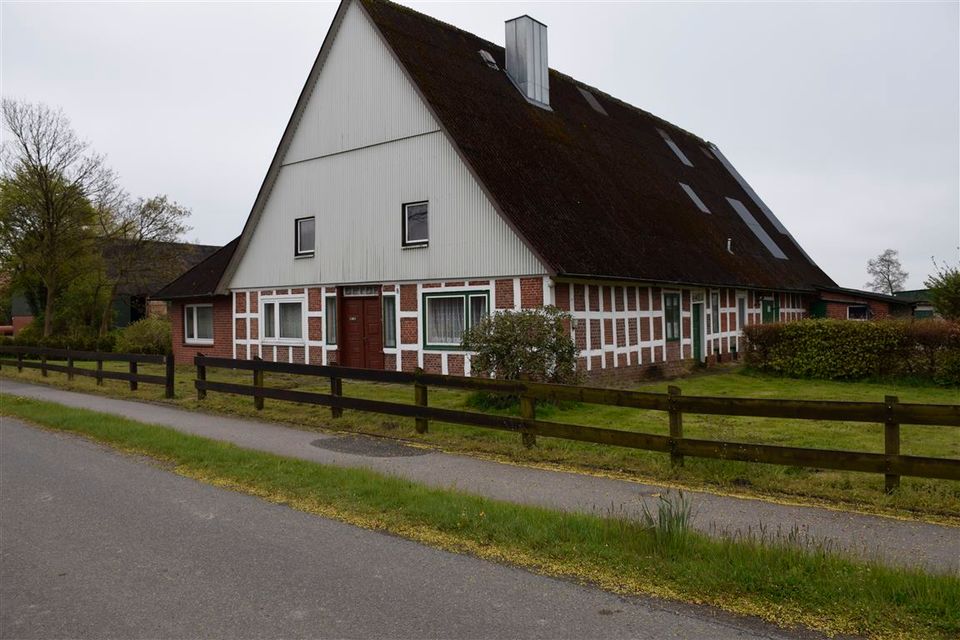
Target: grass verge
[931, 500]
[777, 582]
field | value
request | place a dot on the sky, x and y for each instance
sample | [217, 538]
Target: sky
[843, 116]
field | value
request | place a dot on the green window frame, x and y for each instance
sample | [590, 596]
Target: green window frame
[389, 305]
[474, 306]
[671, 316]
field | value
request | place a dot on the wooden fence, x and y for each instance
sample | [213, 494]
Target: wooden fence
[891, 413]
[37, 358]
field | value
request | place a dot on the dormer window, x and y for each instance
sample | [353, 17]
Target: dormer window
[416, 228]
[304, 237]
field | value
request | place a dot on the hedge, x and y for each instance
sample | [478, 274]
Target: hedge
[847, 350]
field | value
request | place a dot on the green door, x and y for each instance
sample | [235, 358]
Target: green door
[697, 333]
[769, 310]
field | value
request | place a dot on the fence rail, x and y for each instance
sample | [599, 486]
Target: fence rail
[891, 413]
[24, 360]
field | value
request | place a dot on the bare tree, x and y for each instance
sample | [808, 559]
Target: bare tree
[137, 244]
[886, 273]
[52, 191]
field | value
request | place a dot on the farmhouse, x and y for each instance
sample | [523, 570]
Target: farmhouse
[428, 177]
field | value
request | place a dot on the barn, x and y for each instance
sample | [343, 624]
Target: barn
[428, 177]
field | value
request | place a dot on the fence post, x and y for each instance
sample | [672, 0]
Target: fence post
[133, 372]
[69, 365]
[422, 425]
[20, 362]
[168, 393]
[528, 411]
[258, 385]
[676, 425]
[336, 389]
[891, 444]
[99, 370]
[43, 365]
[201, 377]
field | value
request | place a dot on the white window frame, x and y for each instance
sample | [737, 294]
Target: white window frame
[297, 252]
[277, 301]
[466, 296]
[407, 242]
[394, 325]
[196, 340]
[869, 313]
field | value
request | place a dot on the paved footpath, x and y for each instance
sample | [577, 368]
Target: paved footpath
[100, 545]
[932, 547]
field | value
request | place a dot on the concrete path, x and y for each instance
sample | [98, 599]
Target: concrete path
[100, 545]
[935, 548]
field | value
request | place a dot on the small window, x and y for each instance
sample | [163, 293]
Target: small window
[198, 324]
[331, 320]
[283, 320]
[673, 147]
[449, 315]
[305, 236]
[390, 322]
[416, 224]
[693, 196]
[715, 312]
[671, 315]
[741, 313]
[858, 312]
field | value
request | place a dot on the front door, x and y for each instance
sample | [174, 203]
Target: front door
[362, 344]
[769, 310]
[698, 332]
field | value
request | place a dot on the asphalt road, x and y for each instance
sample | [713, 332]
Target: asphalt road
[935, 548]
[98, 544]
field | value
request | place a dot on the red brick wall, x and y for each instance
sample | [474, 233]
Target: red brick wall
[222, 346]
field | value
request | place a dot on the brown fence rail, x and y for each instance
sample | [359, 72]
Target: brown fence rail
[37, 358]
[890, 413]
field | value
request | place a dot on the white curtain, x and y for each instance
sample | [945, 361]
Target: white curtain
[269, 329]
[291, 320]
[444, 320]
[205, 323]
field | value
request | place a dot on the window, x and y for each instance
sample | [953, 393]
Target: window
[198, 324]
[673, 147]
[282, 320]
[758, 231]
[389, 322]
[693, 196]
[449, 315]
[741, 313]
[671, 315]
[715, 312]
[415, 224]
[858, 312]
[305, 241]
[331, 318]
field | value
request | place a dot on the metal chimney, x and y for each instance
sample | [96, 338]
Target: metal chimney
[526, 48]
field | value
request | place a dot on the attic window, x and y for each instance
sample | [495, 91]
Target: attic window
[488, 59]
[592, 101]
[673, 146]
[696, 199]
[758, 231]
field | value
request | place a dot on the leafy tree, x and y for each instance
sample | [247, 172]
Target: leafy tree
[944, 285]
[53, 191]
[886, 273]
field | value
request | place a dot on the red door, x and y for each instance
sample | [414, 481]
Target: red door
[362, 333]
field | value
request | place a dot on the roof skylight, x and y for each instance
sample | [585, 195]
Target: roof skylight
[592, 101]
[696, 199]
[488, 59]
[758, 231]
[673, 146]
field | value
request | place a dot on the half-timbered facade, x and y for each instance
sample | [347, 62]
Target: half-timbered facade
[428, 177]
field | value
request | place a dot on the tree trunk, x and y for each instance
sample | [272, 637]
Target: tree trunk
[48, 313]
[108, 311]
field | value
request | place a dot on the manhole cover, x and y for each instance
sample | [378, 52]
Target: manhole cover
[373, 447]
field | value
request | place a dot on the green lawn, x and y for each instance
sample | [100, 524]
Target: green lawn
[930, 498]
[776, 580]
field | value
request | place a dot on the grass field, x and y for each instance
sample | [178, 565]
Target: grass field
[776, 580]
[935, 499]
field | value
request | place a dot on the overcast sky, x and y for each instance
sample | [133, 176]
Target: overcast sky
[845, 117]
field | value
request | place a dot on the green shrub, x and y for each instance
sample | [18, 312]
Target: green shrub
[150, 335]
[77, 339]
[534, 343]
[845, 350]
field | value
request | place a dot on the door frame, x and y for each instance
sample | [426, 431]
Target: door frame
[342, 298]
